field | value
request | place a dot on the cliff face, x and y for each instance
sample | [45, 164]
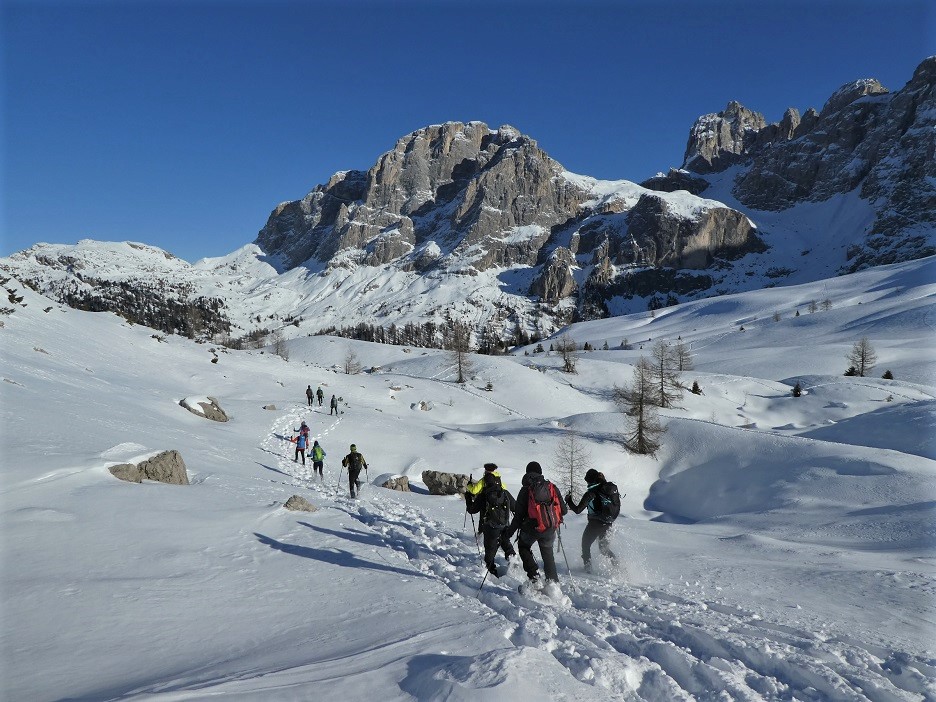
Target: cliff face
[864, 138]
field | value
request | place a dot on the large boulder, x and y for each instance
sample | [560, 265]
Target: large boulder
[439, 483]
[297, 503]
[204, 407]
[166, 467]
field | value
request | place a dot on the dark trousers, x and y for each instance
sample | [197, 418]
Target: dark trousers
[353, 479]
[596, 530]
[545, 540]
[493, 539]
[309, 398]
[320, 402]
[317, 466]
[299, 451]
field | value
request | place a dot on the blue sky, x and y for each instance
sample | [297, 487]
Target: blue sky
[183, 124]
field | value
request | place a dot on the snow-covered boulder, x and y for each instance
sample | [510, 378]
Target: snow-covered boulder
[165, 467]
[297, 503]
[439, 483]
[400, 483]
[206, 407]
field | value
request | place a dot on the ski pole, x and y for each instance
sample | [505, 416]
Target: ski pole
[338, 484]
[562, 548]
[477, 543]
[483, 580]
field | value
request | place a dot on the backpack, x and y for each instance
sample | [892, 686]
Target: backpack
[354, 461]
[497, 504]
[607, 502]
[543, 504]
[318, 453]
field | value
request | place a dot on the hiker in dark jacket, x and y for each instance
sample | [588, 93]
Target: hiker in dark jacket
[354, 462]
[495, 505]
[333, 406]
[527, 525]
[599, 523]
[310, 394]
[320, 396]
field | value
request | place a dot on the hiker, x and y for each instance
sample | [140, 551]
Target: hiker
[301, 442]
[354, 461]
[495, 505]
[476, 486]
[604, 504]
[537, 518]
[333, 406]
[310, 395]
[304, 431]
[318, 459]
[320, 395]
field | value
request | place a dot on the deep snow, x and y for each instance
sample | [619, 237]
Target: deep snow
[775, 548]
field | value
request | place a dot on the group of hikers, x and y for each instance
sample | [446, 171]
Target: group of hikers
[313, 396]
[538, 512]
[534, 516]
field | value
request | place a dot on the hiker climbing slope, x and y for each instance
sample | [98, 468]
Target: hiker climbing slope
[354, 462]
[604, 505]
[538, 516]
[495, 505]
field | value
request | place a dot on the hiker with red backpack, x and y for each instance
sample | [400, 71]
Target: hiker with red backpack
[537, 517]
[604, 505]
[495, 505]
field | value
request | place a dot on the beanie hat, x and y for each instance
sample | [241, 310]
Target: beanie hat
[593, 476]
[534, 467]
[490, 467]
[353, 447]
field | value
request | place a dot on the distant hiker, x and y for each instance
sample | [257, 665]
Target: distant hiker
[475, 487]
[604, 505]
[538, 516]
[333, 406]
[310, 395]
[354, 462]
[495, 505]
[304, 431]
[301, 442]
[318, 459]
[320, 395]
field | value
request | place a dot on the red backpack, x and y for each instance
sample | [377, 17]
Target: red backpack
[543, 504]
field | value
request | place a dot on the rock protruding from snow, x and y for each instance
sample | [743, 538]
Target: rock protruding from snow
[297, 503]
[209, 408]
[399, 483]
[165, 467]
[439, 483]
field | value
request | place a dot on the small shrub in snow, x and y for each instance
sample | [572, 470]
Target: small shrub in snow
[696, 390]
[888, 375]
[797, 389]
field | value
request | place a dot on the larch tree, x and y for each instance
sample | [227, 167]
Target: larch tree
[643, 431]
[665, 373]
[862, 357]
[460, 348]
[572, 459]
[566, 348]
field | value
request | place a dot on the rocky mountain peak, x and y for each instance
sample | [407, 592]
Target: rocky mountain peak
[716, 141]
[850, 92]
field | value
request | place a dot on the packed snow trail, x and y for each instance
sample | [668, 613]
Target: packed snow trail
[636, 642]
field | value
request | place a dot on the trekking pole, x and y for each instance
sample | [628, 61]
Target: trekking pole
[562, 548]
[483, 580]
[338, 484]
[477, 543]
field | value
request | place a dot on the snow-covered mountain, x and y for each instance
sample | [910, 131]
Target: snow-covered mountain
[462, 222]
[775, 548]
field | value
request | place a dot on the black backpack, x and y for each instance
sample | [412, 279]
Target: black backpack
[354, 461]
[496, 504]
[607, 502]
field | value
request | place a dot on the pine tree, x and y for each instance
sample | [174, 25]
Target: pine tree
[665, 374]
[643, 430]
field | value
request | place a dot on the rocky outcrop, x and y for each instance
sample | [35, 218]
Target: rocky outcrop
[166, 467]
[439, 483]
[556, 279]
[399, 483]
[297, 503]
[209, 409]
[864, 138]
[676, 179]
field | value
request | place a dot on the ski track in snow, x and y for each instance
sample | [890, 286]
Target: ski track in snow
[635, 642]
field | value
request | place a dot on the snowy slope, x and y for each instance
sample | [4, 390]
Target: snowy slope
[775, 548]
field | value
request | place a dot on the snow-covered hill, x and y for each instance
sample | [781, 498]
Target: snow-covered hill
[775, 547]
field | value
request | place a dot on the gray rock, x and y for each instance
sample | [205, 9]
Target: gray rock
[166, 467]
[400, 483]
[209, 410]
[297, 503]
[439, 483]
[269, 407]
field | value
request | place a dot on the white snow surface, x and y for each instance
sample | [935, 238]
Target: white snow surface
[776, 548]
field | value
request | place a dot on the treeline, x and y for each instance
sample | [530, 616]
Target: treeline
[431, 335]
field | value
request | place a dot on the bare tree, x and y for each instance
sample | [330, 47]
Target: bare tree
[279, 345]
[351, 364]
[643, 430]
[813, 307]
[460, 346]
[665, 374]
[682, 356]
[862, 357]
[566, 348]
[572, 460]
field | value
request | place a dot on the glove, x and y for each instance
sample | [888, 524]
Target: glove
[569, 501]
